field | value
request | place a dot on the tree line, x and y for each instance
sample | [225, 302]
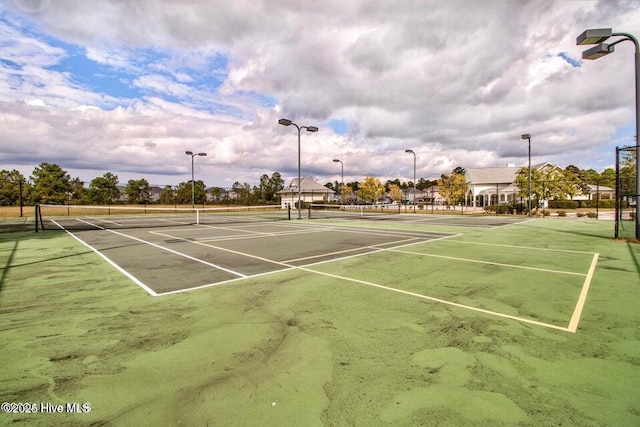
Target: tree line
[546, 185]
[49, 183]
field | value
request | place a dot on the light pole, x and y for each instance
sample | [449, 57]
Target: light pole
[21, 204]
[287, 122]
[414, 178]
[341, 182]
[527, 136]
[193, 185]
[598, 37]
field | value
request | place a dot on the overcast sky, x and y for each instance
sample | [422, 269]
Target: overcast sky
[128, 86]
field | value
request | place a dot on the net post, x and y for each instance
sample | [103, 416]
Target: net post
[288, 212]
[38, 218]
[617, 212]
[198, 216]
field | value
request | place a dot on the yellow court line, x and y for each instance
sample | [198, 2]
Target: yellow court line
[582, 299]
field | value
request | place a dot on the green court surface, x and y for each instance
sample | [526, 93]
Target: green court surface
[317, 322]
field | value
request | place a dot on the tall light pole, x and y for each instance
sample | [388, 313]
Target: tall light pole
[598, 37]
[193, 185]
[341, 182]
[527, 136]
[414, 178]
[287, 122]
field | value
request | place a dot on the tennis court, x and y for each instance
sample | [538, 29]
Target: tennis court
[170, 256]
[176, 258]
[321, 322]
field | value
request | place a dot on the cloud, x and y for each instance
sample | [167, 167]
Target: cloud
[457, 82]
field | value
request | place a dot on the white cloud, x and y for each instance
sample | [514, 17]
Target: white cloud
[458, 82]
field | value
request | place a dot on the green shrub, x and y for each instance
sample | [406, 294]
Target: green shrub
[499, 209]
[591, 214]
[563, 204]
[607, 204]
[562, 213]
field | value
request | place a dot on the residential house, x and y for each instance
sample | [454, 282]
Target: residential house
[310, 191]
[605, 193]
[491, 186]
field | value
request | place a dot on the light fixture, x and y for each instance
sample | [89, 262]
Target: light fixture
[287, 122]
[193, 185]
[598, 37]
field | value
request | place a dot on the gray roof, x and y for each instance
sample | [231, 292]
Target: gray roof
[491, 175]
[595, 188]
[308, 185]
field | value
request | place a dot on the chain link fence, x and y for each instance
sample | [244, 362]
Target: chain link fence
[626, 193]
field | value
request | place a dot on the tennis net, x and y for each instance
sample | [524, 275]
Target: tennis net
[326, 211]
[78, 217]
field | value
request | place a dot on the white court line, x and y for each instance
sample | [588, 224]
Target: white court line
[225, 282]
[514, 223]
[292, 267]
[217, 227]
[113, 264]
[572, 326]
[529, 248]
[430, 221]
[399, 232]
[97, 219]
[380, 250]
[363, 282]
[172, 251]
[455, 304]
[522, 267]
[280, 233]
[376, 246]
[575, 318]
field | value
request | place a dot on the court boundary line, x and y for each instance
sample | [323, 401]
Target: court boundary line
[476, 261]
[373, 248]
[423, 219]
[572, 327]
[438, 300]
[110, 262]
[388, 288]
[574, 321]
[235, 273]
[239, 237]
[532, 248]
[582, 299]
